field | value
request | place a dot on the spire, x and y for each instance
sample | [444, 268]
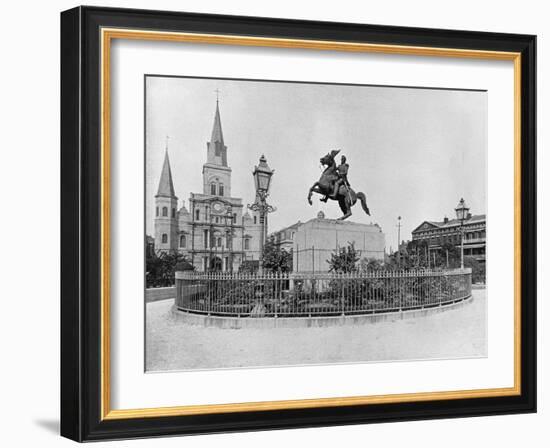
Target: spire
[217, 134]
[217, 151]
[166, 186]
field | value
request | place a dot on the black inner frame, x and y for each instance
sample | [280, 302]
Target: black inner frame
[81, 224]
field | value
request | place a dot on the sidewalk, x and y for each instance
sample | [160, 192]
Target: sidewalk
[456, 333]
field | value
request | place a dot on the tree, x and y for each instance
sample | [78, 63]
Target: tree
[418, 254]
[478, 269]
[249, 266]
[275, 258]
[451, 253]
[344, 259]
[371, 264]
[160, 269]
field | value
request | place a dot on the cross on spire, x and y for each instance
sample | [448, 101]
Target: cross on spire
[217, 94]
[166, 144]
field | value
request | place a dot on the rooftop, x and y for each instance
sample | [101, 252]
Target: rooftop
[452, 222]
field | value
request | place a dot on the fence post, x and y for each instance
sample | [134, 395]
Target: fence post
[277, 292]
[342, 298]
[400, 281]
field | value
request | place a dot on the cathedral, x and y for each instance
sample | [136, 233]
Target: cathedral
[216, 232]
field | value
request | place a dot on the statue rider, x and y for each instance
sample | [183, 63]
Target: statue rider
[342, 172]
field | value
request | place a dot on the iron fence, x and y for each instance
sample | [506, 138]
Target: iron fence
[318, 294]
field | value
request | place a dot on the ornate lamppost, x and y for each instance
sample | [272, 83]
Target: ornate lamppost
[262, 181]
[229, 237]
[462, 214]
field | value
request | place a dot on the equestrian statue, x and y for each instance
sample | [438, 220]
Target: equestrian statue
[334, 185]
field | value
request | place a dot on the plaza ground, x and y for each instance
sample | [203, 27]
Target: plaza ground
[173, 345]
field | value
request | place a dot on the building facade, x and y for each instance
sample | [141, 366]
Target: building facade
[284, 238]
[448, 231]
[213, 232]
[313, 242]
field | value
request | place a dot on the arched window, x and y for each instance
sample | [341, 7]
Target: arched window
[219, 242]
[164, 238]
[164, 211]
[213, 189]
[182, 241]
[220, 189]
[173, 213]
[197, 214]
[157, 211]
[247, 244]
[255, 220]
[234, 218]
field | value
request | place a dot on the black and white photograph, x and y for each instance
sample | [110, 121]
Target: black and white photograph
[293, 223]
[275, 224]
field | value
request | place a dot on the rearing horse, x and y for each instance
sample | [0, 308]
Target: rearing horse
[325, 185]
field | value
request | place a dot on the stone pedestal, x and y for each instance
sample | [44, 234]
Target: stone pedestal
[315, 241]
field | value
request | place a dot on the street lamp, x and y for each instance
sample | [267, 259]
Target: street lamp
[262, 181]
[262, 177]
[462, 214]
[229, 237]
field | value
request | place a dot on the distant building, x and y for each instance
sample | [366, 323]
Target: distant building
[313, 242]
[214, 233]
[284, 238]
[448, 231]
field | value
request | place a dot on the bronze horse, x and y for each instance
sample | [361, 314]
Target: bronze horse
[325, 185]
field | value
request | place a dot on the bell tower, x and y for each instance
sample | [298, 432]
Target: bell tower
[166, 203]
[216, 174]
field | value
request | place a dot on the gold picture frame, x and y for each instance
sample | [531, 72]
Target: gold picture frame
[106, 33]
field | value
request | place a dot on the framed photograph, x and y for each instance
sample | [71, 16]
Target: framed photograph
[273, 223]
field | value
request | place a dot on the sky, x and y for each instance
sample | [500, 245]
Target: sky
[414, 152]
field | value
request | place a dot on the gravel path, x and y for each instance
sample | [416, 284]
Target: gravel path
[173, 345]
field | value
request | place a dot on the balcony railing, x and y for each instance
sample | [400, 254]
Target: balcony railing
[315, 294]
[474, 240]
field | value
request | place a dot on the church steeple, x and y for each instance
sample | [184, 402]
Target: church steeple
[166, 185]
[166, 206]
[216, 174]
[217, 151]
[217, 134]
